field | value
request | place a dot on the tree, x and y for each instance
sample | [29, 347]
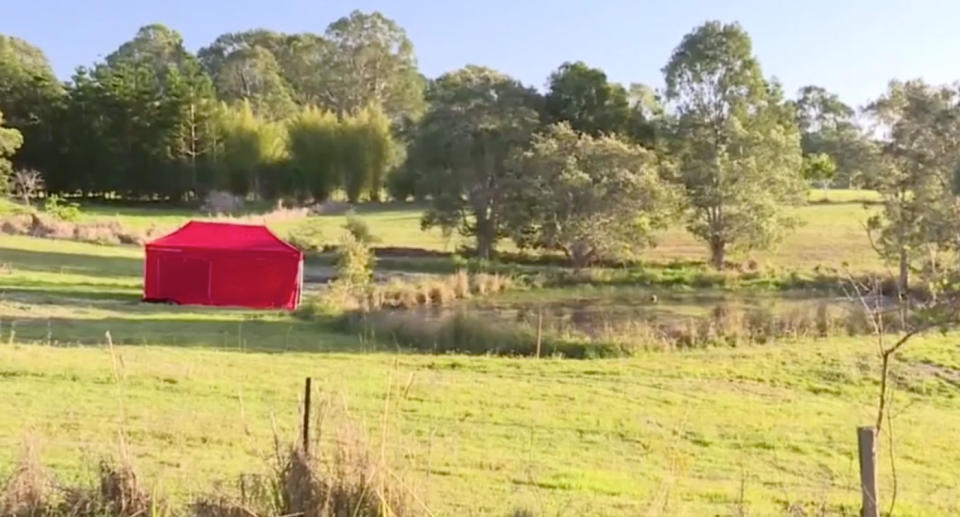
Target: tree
[370, 61]
[10, 141]
[295, 68]
[736, 141]
[252, 147]
[314, 149]
[582, 97]
[589, 197]
[26, 184]
[918, 178]
[192, 104]
[647, 114]
[253, 75]
[368, 152]
[477, 118]
[828, 126]
[156, 46]
[819, 168]
[30, 97]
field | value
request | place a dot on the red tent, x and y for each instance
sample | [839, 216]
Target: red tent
[223, 264]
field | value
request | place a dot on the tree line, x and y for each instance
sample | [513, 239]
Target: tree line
[156, 121]
[587, 167]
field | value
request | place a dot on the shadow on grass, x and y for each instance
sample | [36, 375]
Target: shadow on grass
[71, 263]
[251, 335]
[46, 293]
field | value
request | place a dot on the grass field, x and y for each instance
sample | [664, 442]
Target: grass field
[829, 235]
[668, 434]
[196, 393]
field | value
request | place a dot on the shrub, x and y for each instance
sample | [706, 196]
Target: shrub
[354, 262]
[360, 230]
[61, 209]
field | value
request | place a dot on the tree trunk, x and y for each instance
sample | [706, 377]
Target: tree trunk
[904, 273]
[580, 256]
[718, 252]
[485, 238]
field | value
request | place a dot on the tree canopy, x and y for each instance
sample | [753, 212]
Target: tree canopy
[30, 96]
[589, 197]
[477, 118]
[735, 139]
[918, 174]
[10, 141]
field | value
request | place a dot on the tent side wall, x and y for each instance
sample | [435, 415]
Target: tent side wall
[222, 277]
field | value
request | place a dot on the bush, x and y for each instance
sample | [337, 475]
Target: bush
[354, 262]
[360, 230]
[57, 207]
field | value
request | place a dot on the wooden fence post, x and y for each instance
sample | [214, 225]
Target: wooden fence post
[866, 443]
[306, 417]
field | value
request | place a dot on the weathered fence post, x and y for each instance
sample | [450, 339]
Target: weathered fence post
[866, 443]
[306, 417]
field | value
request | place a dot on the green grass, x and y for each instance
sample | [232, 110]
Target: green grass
[396, 224]
[830, 233]
[482, 435]
[843, 196]
[657, 434]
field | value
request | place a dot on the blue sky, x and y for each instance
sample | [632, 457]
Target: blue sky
[852, 47]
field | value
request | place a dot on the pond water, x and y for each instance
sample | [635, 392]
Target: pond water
[594, 311]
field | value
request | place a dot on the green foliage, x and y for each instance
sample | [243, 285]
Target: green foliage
[30, 97]
[582, 97]
[355, 262]
[143, 122]
[592, 198]
[828, 126]
[315, 151]
[353, 152]
[60, 208]
[360, 230]
[921, 211]
[370, 62]
[252, 146]
[10, 141]
[362, 59]
[477, 118]
[819, 168]
[735, 139]
[368, 152]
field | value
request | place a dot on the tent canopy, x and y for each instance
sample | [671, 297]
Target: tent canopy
[223, 236]
[223, 264]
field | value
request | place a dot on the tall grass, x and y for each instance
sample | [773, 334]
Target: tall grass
[485, 333]
[463, 333]
[117, 492]
[341, 479]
